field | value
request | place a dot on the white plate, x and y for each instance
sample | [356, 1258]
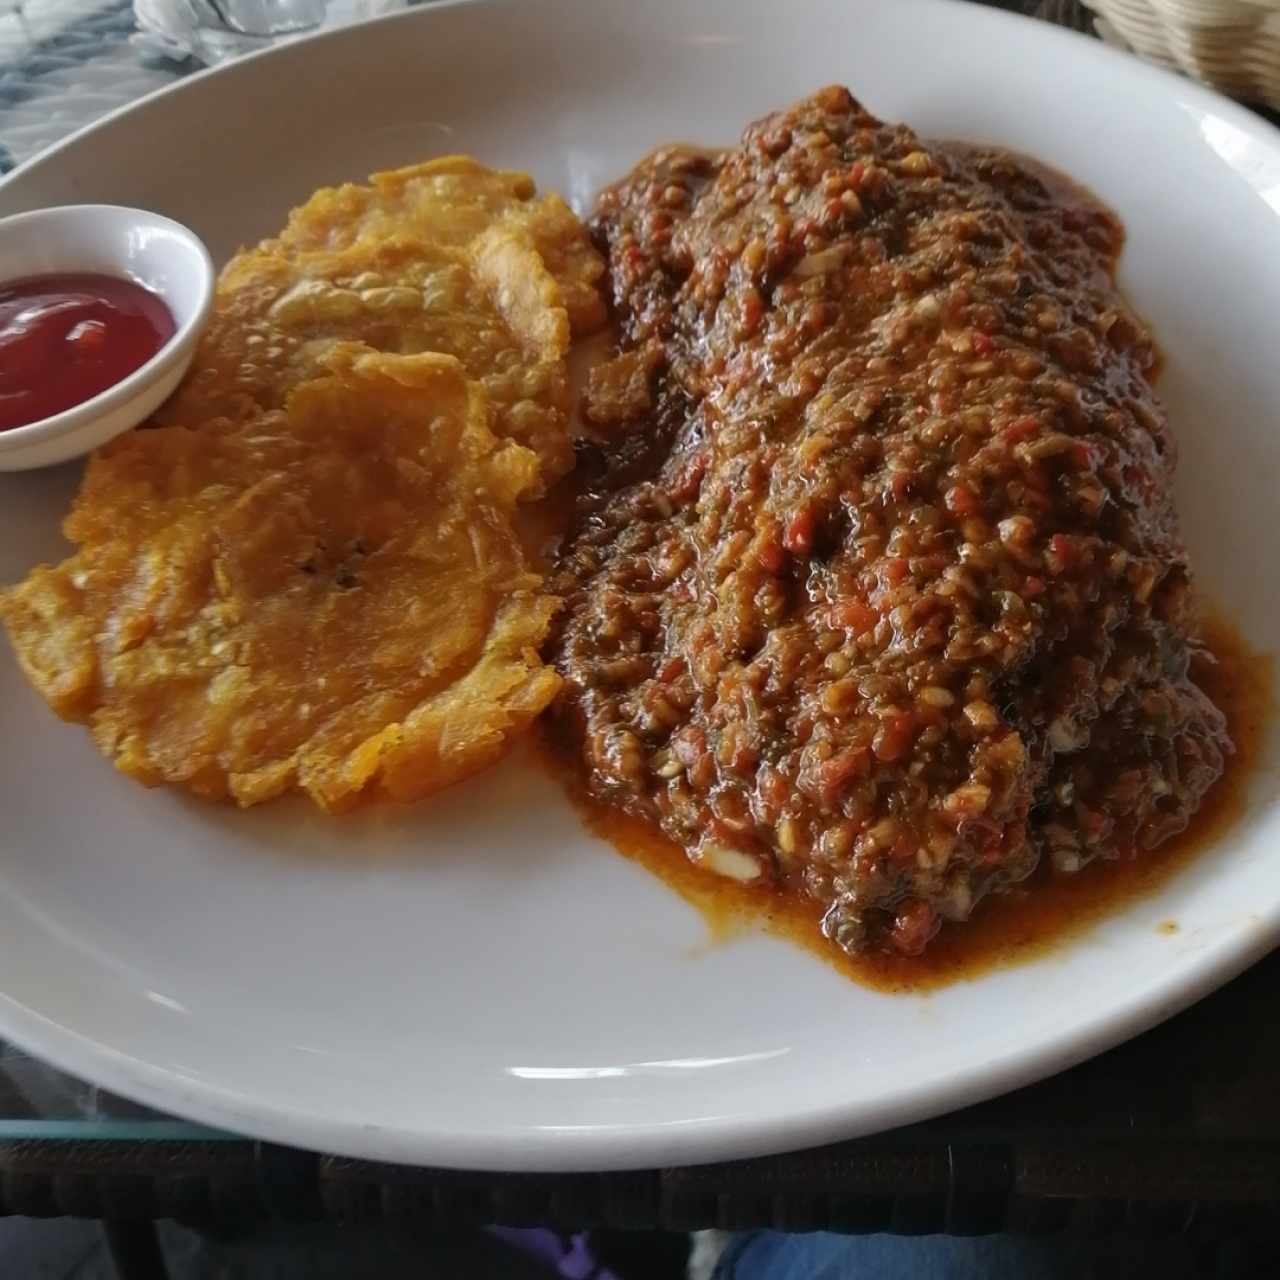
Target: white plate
[476, 982]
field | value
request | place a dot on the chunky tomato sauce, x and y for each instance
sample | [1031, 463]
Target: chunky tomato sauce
[1048, 910]
[876, 598]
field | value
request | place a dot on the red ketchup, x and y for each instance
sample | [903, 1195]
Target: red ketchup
[65, 338]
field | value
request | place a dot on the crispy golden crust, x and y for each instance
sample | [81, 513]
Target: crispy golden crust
[450, 201]
[492, 304]
[328, 597]
[447, 256]
[452, 198]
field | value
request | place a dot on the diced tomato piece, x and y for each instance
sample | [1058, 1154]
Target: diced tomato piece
[983, 834]
[688, 747]
[903, 851]
[915, 923]
[896, 570]
[852, 615]
[1021, 429]
[894, 737]
[798, 537]
[1064, 551]
[961, 501]
[852, 763]
[689, 481]
[671, 670]
[772, 786]
[772, 556]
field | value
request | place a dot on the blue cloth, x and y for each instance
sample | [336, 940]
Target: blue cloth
[774, 1255]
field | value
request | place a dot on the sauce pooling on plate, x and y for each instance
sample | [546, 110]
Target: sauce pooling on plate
[66, 338]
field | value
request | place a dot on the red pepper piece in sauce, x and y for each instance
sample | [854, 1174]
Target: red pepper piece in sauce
[894, 737]
[1063, 554]
[983, 833]
[895, 570]
[1020, 429]
[798, 538]
[1083, 456]
[961, 501]
[685, 486]
[672, 669]
[900, 485]
[853, 762]
[852, 615]
[773, 788]
[772, 556]
[913, 927]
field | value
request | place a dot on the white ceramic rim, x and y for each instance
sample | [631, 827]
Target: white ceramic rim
[174, 350]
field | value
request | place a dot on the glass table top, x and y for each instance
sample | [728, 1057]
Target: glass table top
[38, 1101]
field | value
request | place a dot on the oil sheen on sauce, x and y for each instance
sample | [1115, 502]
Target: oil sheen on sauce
[68, 337]
[1044, 913]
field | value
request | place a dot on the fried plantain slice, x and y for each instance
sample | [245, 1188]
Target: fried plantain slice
[449, 201]
[328, 597]
[492, 304]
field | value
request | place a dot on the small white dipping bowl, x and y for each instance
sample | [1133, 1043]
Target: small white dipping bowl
[131, 244]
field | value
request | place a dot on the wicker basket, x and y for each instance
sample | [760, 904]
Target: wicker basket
[1233, 45]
